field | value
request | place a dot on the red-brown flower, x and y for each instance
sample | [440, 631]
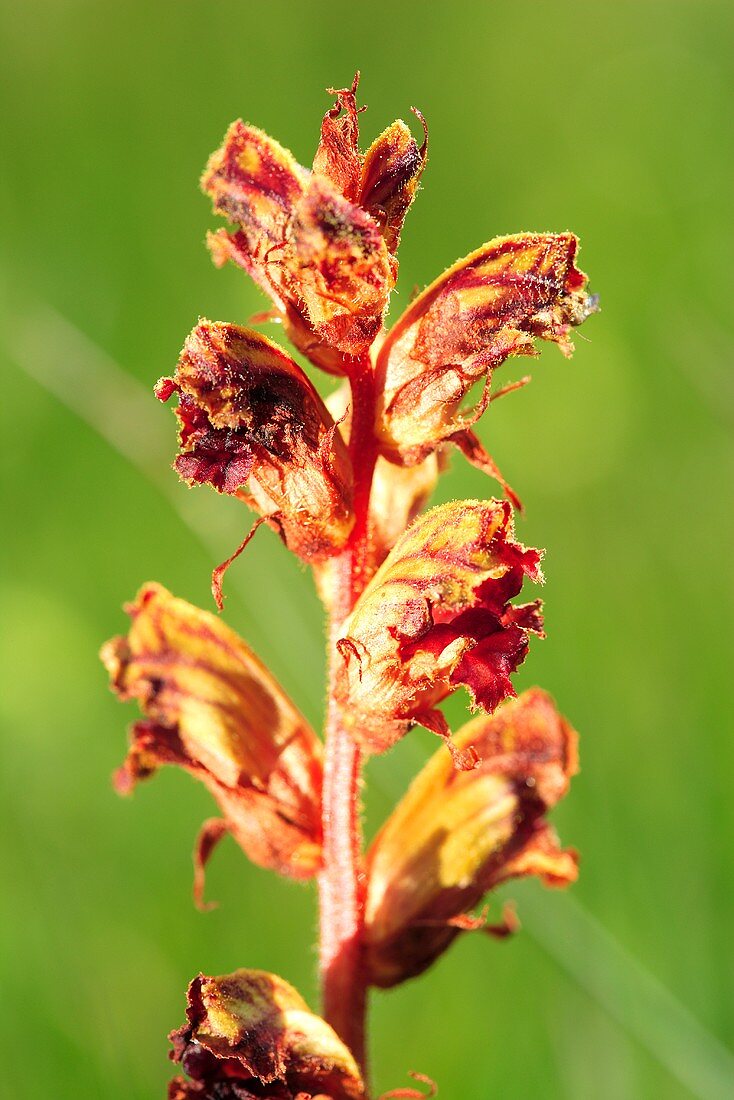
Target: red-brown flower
[456, 835]
[437, 615]
[250, 1035]
[321, 244]
[485, 308]
[214, 709]
[248, 415]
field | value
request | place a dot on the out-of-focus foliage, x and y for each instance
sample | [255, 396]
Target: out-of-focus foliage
[609, 120]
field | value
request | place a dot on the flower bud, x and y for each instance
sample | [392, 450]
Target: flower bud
[485, 308]
[455, 836]
[338, 156]
[255, 183]
[250, 1034]
[249, 415]
[437, 615]
[392, 169]
[320, 257]
[336, 267]
[216, 711]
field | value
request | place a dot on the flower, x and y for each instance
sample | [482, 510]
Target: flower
[437, 614]
[321, 244]
[454, 836]
[249, 415]
[485, 308]
[212, 708]
[249, 1034]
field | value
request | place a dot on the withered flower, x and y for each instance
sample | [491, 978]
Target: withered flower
[215, 710]
[322, 244]
[251, 1035]
[248, 415]
[454, 836]
[485, 308]
[435, 616]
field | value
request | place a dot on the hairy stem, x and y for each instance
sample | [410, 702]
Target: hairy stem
[341, 884]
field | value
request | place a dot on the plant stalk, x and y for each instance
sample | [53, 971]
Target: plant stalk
[342, 880]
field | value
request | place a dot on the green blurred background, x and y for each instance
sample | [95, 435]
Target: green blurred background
[611, 120]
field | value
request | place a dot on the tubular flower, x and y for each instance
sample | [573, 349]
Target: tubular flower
[249, 415]
[437, 615]
[320, 243]
[454, 836]
[485, 308]
[250, 1034]
[215, 710]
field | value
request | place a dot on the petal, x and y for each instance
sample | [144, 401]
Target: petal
[337, 269]
[392, 169]
[437, 614]
[249, 415]
[338, 156]
[251, 1028]
[456, 835]
[486, 307]
[215, 710]
[255, 183]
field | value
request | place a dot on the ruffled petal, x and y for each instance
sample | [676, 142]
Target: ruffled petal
[249, 416]
[437, 615]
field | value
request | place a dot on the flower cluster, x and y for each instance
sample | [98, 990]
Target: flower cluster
[420, 603]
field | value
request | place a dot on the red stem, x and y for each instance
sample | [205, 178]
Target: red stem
[341, 884]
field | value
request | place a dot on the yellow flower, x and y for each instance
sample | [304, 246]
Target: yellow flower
[215, 710]
[454, 836]
[252, 1030]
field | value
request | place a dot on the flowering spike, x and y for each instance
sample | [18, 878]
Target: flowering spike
[418, 605]
[249, 415]
[436, 615]
[250, 1034]
[214, 710]
[454, 836]
[488, 306]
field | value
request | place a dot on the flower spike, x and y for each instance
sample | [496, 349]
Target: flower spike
[248, 415]
[437, 615]
[214, 710]
[418, 603]
[455, 836]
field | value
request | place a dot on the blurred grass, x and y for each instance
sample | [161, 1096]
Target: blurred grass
[611, 121]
